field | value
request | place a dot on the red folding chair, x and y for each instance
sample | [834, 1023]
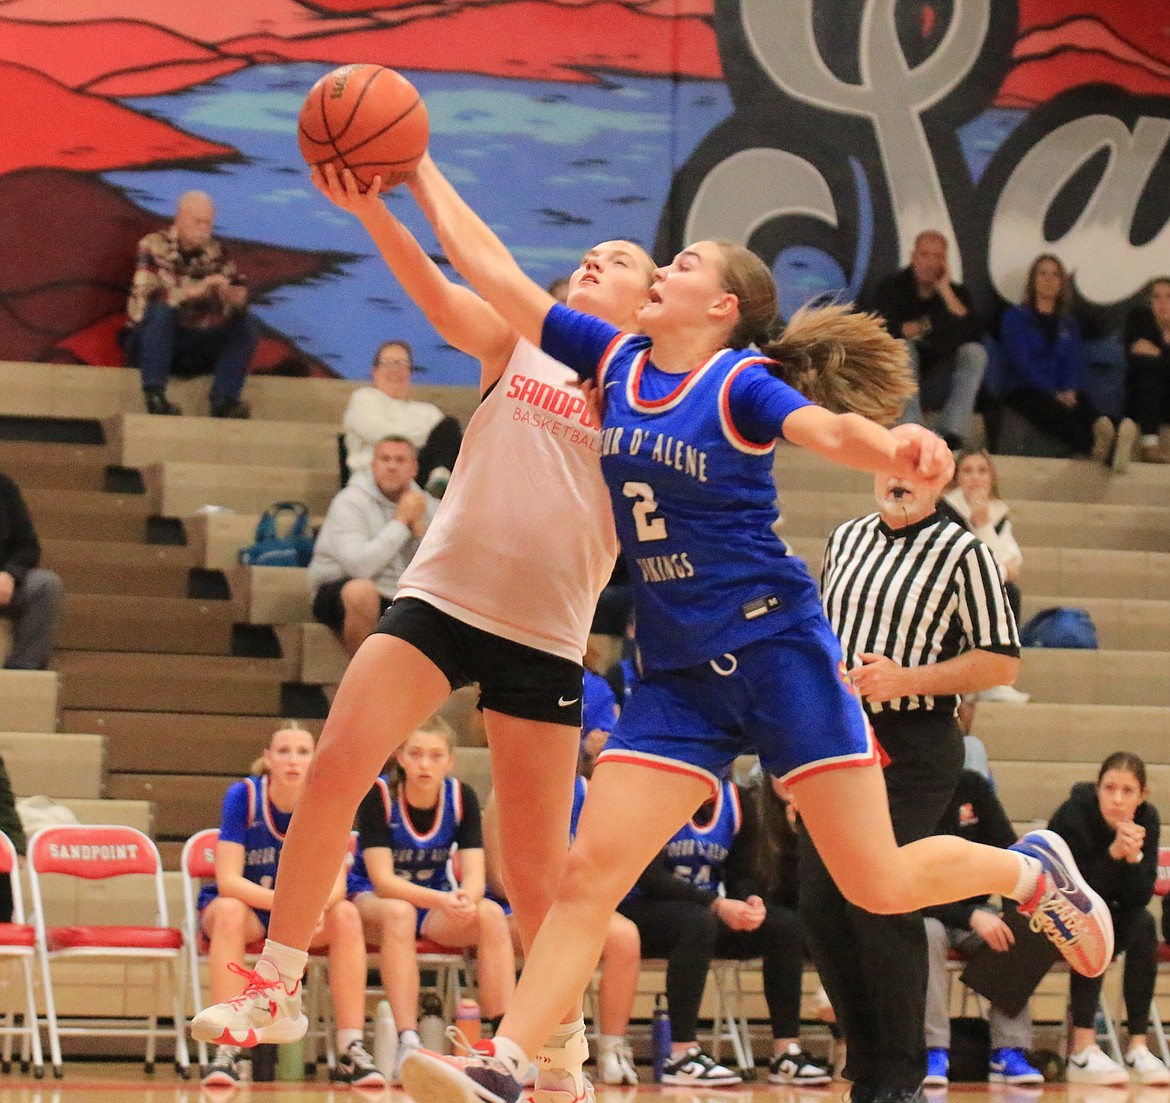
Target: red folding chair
[82, 855]
[18, 947]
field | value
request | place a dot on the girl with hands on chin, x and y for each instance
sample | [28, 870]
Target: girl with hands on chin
[1113, 830]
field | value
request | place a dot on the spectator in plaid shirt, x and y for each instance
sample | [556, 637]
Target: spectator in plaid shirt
[188, 306]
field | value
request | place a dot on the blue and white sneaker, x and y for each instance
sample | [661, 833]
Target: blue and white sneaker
[1010, 1066]
[478, 1078]
[1063, 907]
[938, 1068]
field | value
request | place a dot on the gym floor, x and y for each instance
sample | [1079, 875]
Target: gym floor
[125, 1083]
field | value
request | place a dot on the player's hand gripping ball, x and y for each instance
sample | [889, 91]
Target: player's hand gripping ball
[368, 119]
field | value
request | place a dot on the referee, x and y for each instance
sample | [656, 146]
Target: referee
[919, 605]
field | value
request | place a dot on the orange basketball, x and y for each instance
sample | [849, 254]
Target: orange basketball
[366, 118]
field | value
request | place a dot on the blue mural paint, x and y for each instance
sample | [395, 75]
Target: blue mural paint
[553, 168]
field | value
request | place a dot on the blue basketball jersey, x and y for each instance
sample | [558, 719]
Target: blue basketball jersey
[418, 857]
[249, 818]
[698, 854]
[579, 789]
[693, 497]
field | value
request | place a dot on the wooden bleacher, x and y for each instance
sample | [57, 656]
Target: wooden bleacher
[149, 660]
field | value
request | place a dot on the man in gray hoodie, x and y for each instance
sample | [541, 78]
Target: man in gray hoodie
[370, 534]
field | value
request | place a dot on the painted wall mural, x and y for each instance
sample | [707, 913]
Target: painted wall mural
[825, 133]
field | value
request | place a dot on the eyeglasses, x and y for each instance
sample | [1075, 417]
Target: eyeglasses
[398, 362]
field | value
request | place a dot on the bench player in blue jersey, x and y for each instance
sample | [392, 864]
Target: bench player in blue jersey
[233, 911]
[409, 827]
[736, 653]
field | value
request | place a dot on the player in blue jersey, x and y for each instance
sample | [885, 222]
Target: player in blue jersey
[736, 653]
[402, 882]
[233, 912]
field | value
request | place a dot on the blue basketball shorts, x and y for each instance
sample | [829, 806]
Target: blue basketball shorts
[787, 698]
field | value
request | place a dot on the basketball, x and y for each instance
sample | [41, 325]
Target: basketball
[366, 118]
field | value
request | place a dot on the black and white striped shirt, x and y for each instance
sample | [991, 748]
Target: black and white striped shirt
[920, 594]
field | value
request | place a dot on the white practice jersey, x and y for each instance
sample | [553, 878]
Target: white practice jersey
[523, 541]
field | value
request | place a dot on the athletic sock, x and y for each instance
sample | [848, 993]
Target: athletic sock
[345, 1038]
[563, 1032]
[1029, 880]
[287, 962]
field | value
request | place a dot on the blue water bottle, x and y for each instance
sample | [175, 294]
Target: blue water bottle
[660, 1038]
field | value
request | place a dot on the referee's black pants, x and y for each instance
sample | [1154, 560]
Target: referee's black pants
[874, 967]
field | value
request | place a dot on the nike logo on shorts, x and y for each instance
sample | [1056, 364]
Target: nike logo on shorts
[565, 704]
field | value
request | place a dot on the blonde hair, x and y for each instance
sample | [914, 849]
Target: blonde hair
[834, 355]
[259, 767]
[845, 361]
[965, 455]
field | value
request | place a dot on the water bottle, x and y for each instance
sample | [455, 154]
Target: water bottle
[264, 1064]
[290, 1061]
[432, 1031]
[385, 1039]
[467, 1020]
[660, 1037]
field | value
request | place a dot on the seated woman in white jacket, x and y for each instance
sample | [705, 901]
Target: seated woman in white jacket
[386, 409]
[974, 501]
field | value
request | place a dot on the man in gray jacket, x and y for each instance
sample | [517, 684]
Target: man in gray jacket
[370, 534]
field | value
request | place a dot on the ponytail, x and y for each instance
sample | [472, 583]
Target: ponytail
[836, 357]
[845, 361]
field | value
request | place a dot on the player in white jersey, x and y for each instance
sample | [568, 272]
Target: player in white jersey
[501, 592]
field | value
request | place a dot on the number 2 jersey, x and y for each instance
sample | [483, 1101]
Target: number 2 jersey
[688, 463]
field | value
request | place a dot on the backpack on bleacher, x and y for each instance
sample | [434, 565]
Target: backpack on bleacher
[1060, 626]
[272, 548]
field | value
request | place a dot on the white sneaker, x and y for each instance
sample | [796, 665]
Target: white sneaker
[1127, 434]
[795, 1067]
[1145, 1068]
[1093, 1066]
[408, 1043]
[224, 1069]
[615, 1065]
[1007, 695]
[1104, 437]
[264, 1013]
[694, 1067]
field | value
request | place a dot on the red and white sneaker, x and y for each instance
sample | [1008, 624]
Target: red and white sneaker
[264, 1013]
[1063, 907]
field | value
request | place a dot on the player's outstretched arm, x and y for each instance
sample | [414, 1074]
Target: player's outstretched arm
[459, 315]
[910, 451]
[478, 254]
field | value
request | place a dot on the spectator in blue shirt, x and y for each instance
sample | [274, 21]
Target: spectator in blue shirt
[1045, 365]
